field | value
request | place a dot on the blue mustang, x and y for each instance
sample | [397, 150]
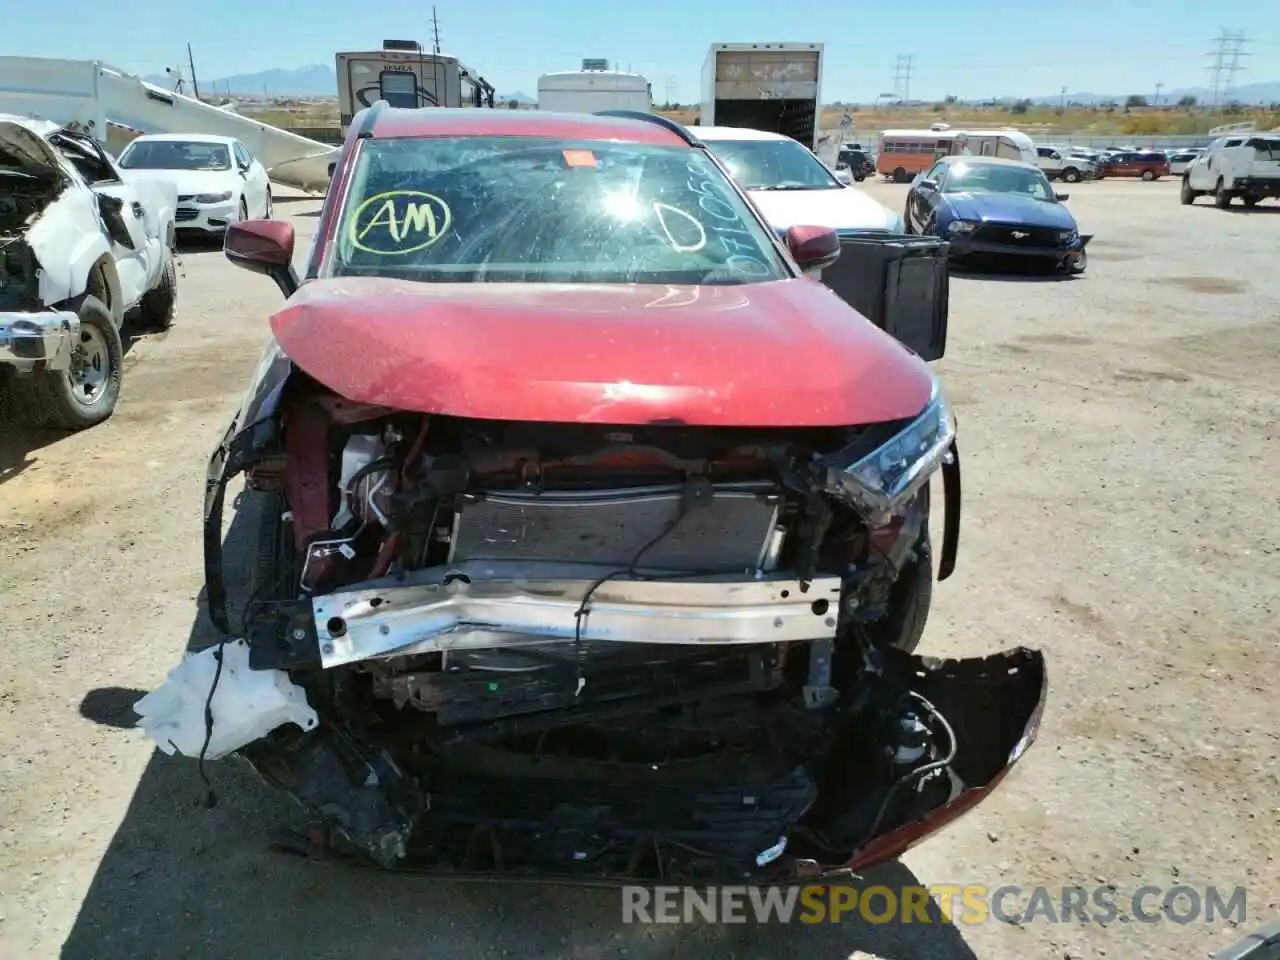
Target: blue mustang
[990, 207]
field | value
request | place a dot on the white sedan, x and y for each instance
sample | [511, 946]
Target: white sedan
[791, 186]
[218, 180]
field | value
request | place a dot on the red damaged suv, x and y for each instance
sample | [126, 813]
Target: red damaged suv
[593, 531]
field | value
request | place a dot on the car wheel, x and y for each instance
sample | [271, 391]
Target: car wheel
[1080, 264]
[243, 213]
[899, 175]
[909, 602]
[1148, 175]
[1221, 195]
[1071, 175]
[1187, 195]
[268, 208]
[156, 309]
[85, 394]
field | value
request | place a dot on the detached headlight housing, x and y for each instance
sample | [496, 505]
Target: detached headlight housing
[882, 482]
[213, 197]
[961, 227]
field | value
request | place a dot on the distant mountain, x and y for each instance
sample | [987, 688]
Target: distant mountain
[316, 80]
[1246, 93]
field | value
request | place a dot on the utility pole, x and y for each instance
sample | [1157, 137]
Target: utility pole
[902, 77]
[195, 87]
[1159, 87]
[442, 99]
[1062, 98]
[1227, 50]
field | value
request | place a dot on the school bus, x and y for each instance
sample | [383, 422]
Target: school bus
[904, 153]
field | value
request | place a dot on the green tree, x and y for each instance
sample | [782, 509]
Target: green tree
[1135, 100]
[1187, 102]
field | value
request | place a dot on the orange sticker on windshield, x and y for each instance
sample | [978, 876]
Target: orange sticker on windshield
[579, 158]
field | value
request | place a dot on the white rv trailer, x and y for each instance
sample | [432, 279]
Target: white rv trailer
[593, 88]
[405, 75]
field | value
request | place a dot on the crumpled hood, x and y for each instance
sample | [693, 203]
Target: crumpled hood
[786, 353]
[841, 209]
[26, 146]
[188, 182]
[1010, 208]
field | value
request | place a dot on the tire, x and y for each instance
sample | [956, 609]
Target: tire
[243, 213]
[61, 399]
[909, 603]
[272, 574]
[1071, 175]
[156, 309]
[1186, 194]
[1079, 265]
[1221, 195]
[269, 208]
[859, 177]
[1148, 175]
[899, 175]
[1250, 201]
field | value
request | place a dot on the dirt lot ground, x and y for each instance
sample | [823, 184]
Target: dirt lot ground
[1122, 471]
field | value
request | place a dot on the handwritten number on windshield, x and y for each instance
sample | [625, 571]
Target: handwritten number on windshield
[742, 254]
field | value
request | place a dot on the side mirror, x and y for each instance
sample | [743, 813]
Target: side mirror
[924, 183]
[1062, 196]
[266, 247]
[813, 247]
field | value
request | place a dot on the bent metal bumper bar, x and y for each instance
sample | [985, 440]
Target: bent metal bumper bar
[28, 338]
[480, 604]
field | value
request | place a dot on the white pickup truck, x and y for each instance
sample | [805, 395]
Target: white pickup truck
[1244, 165]
[1058, 164]
[80, 247]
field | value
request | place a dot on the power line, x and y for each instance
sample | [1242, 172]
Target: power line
[902, 77]
[1228, 49]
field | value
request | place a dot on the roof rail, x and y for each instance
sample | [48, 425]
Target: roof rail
[667, 123]
[369, 117]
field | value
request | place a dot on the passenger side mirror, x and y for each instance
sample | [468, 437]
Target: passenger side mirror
[1062, 196]
[266, 247]
[813, 247]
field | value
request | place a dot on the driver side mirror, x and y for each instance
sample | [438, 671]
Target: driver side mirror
[924, 183]
[1062, 196]
[813, 247]
[266, 247]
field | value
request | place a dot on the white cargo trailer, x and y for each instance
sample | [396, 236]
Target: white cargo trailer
[593, 88]
[765, 86]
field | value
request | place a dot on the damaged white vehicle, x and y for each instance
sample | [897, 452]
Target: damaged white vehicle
[81, 246]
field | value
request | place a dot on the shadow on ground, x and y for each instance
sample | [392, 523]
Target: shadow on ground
[18, 439]
[181, 879]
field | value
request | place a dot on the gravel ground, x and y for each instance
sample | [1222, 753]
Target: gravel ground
[1122, 476]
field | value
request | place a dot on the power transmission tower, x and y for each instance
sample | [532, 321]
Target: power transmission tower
[902, 77]
[1228, 49]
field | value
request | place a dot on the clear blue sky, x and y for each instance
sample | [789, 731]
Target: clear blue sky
[972, 49]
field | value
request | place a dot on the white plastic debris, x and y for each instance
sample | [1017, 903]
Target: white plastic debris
[247, 704]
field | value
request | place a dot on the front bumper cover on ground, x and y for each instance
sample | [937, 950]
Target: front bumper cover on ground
[541, 822]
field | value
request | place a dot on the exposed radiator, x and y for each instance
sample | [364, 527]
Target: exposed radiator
[731, 532]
